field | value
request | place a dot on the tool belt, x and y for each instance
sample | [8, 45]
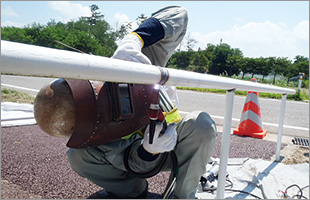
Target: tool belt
[106, 111]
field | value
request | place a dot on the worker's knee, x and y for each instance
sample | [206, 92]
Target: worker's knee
[76, 159]
[200, 126]
[174, 20]
[205, 125]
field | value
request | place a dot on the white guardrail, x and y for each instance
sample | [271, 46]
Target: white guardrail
[30, 60]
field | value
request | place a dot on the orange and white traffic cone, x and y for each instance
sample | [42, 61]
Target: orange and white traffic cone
[251, 119]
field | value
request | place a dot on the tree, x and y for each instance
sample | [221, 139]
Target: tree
[141, 19]
[95, 16]
[234, 64]
[123, 30]
[300, 58]
[279, 66]
[97, 39]
[264, 69]
[251, 65]
[190, 42]
[220, 55]
[292, 72]
[199, 62]
[180, 60]
[100, 31]
[16, 34]
[302, 64]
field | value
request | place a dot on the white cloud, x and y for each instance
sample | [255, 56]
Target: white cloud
[302, 30]
[9, 12]
[69, 10]
[261, 39]
[238, 19]
[10, 23]
[121, 18]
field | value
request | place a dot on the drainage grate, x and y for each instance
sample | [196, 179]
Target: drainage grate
[301, 141]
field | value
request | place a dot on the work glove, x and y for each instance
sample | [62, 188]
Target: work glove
[130, 50]
[162, 142]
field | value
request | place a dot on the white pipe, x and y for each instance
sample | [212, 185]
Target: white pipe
[225, 143]
[30, 60]
[280, 129]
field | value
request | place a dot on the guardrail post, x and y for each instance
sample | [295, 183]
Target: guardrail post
[280, 129]
[225, 143]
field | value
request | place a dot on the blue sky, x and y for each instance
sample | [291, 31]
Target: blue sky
[257, 28]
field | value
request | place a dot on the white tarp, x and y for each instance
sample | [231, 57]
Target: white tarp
[16, 114]
[262, 178]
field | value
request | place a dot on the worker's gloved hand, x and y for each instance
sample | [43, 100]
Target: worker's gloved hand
[130, 50]
[162, 142]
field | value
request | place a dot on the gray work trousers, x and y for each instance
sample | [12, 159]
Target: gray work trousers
[104, 165]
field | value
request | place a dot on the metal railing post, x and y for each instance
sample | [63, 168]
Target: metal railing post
[225, 143]
[280, 129]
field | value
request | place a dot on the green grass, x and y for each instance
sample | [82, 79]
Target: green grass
[8, 95]
[296, 97]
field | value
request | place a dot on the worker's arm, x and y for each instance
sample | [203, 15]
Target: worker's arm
[145, 35]
[153, 42]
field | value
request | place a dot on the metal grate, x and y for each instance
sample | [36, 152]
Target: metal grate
[301, 141]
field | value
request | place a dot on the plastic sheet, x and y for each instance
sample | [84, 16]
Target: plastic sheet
[262, 178]
[16, 114]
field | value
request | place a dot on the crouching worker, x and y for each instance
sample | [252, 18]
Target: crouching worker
[120, 165]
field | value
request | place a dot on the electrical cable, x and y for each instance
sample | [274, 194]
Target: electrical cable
[164, 105]
[299, 196]
[230, 189]
[148, 174]
[166, 98]
[253, 195]
[294, 185]
[168, 193]
[304, 187]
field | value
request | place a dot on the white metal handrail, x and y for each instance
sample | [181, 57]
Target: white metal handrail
[30, 60]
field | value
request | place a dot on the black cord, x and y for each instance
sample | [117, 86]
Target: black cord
[257, 197]
[299, 196]
[231, 184]
[148, 174]
[169, 191]
[229, 189]
[304, 187]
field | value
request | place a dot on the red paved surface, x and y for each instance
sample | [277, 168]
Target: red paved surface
[36, 162]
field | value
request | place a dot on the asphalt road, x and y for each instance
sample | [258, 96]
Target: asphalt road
[296, 121]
